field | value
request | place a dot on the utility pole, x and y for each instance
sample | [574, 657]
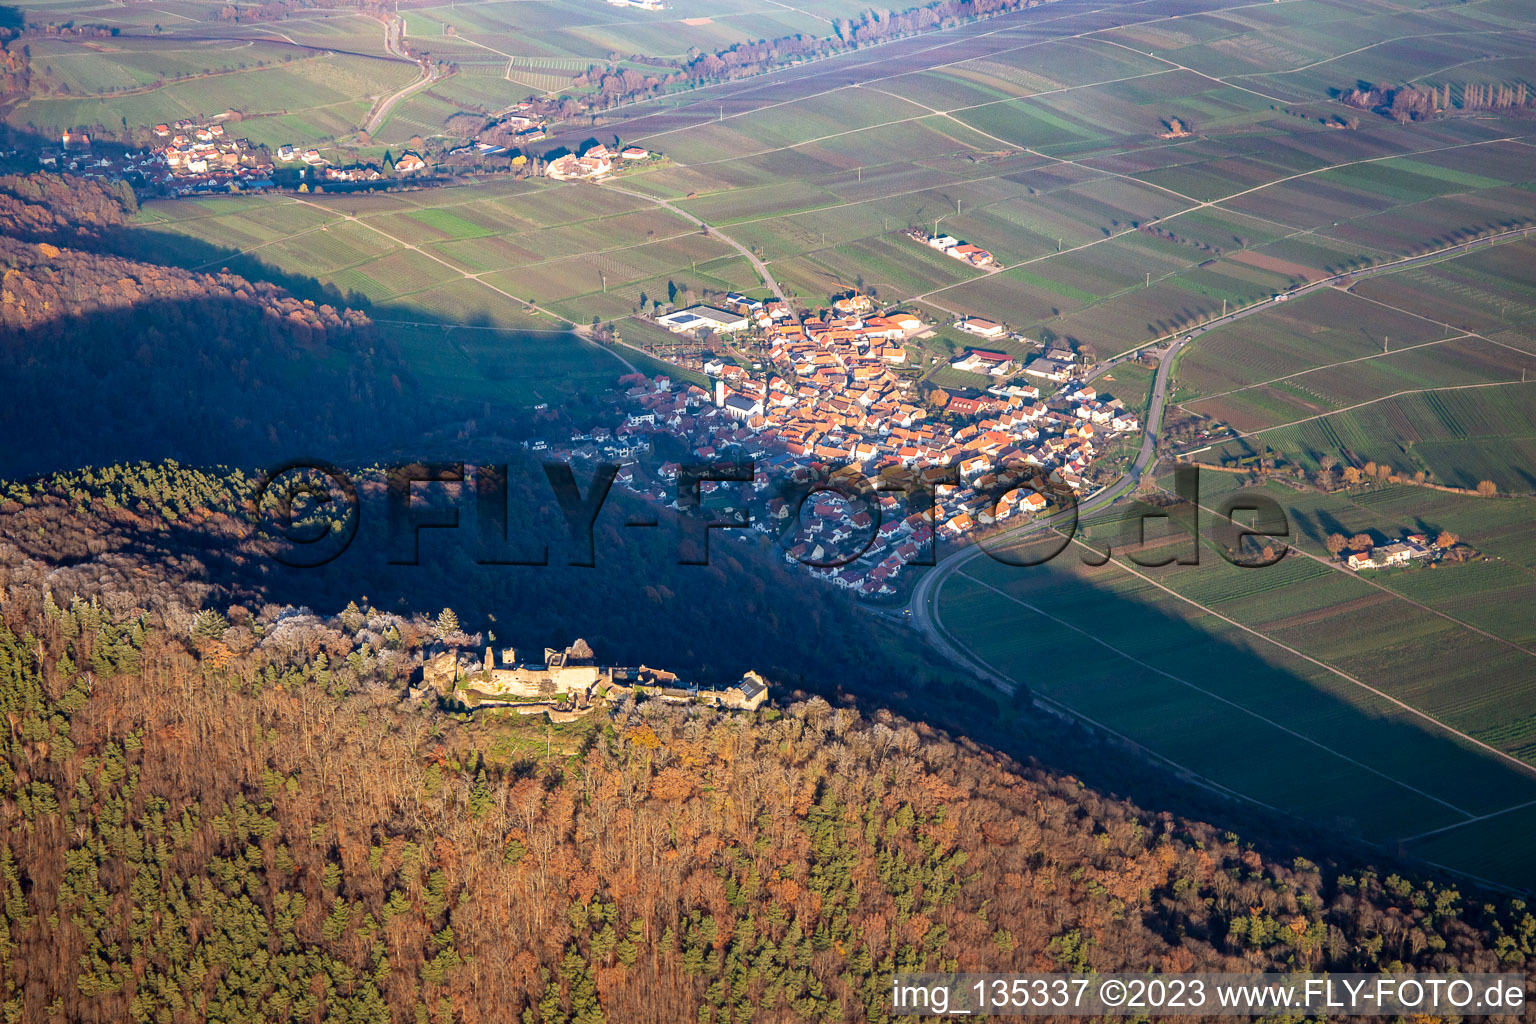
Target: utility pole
[1149, 279]
[1223, 307]
[1384, 340]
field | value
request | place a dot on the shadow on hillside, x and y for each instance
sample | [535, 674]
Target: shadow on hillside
[1251, 748]
[149, 244]
[746, 609]
[126, 343]
[210, 382]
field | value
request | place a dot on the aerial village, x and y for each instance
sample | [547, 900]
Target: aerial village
[207, 153]
[195, 156]
[596, 161]
[186, 157]
[829, 393]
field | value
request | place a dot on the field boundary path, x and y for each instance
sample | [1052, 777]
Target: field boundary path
[924, 601]
[701, 105]
[757, 264]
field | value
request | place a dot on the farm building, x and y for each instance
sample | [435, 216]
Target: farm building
[982, 328]
[977, 360]
[1049, 369]
[410, 163]
[696, 318]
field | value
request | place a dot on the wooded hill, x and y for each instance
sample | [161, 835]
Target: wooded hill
[171, 538]
[225, 810]
[211, 818]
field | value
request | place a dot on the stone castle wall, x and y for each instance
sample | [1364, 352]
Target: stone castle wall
[582, 681]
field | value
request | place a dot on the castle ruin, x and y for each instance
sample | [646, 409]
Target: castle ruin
[570, 679]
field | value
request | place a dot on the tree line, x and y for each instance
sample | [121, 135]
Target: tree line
[1421, 103]
[615, 85]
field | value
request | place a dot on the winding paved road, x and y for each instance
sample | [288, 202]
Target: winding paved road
[394, 45]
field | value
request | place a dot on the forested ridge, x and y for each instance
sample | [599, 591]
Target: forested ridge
[224, 809]
[227, 816]
[55, 207]
[15, 64]
[46, 287]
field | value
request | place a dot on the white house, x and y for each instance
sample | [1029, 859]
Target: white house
[595, 162]
[410, 163]
[744, 301]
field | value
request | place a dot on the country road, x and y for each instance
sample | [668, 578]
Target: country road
[394, 45]
[757, 264]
